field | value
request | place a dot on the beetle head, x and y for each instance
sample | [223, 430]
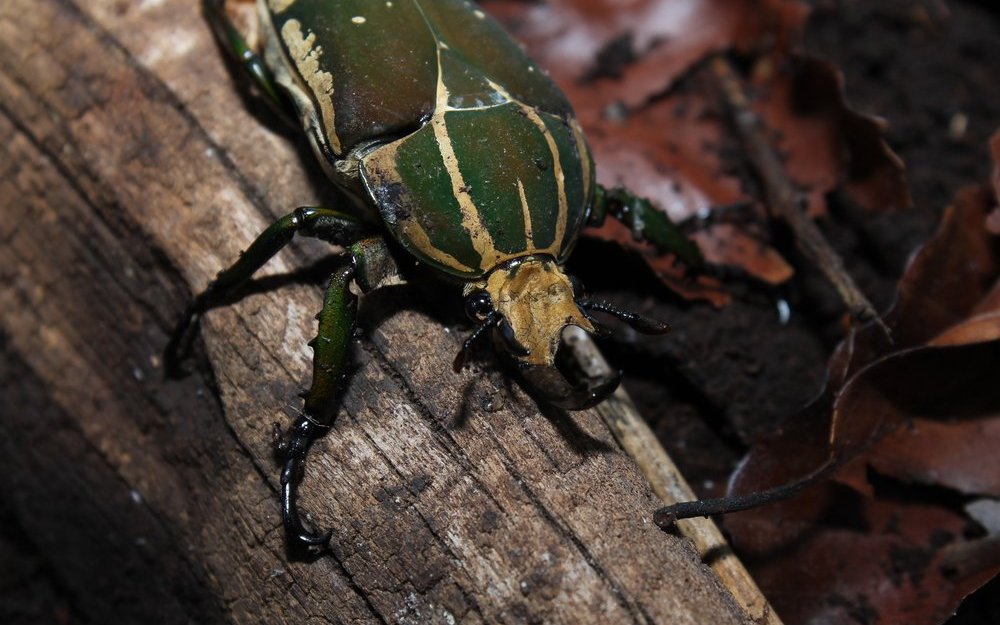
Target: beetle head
[536, 301]
[528, 303]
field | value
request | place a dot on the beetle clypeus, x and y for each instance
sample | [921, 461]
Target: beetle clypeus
[468, 157]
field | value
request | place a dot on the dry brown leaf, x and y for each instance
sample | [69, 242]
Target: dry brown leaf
[666, 38]
[824, 141]
[886, 562]
[958, 454]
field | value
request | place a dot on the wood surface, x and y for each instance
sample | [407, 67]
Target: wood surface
[131, 170]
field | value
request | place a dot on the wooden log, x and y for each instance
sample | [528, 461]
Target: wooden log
[132, 170]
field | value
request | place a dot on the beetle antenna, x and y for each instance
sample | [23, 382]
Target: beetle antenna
[665, 517]
[634, 320]
[492, 320]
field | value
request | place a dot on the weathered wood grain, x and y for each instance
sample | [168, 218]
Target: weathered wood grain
[131, 171]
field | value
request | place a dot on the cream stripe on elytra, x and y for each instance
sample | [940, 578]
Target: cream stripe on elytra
[532, 114]
[306, 55]
[280, 5]
[416, 233]
[382, 164]
[529, 235]
[482, 241]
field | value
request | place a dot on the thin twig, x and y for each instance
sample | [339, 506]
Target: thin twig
[783, 200]
[639, 442]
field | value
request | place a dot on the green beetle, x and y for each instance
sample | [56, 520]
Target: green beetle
[440, 128]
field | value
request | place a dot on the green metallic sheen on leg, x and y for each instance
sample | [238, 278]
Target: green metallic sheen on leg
[646, 222]
[330, 225]
[324, 223]
[331, 347]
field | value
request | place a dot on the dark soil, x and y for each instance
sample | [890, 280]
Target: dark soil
[924, 72]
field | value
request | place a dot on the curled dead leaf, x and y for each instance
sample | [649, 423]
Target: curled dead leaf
[825, 142]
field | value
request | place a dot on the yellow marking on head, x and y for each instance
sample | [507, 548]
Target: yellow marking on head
[557, 242]
[482, 241]
[279, 6]
[529, 235]
[536, 299]
[305, 55]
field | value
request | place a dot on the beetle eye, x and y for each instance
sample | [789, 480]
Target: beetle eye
[478, 305]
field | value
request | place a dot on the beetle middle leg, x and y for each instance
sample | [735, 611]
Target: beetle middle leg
[646, 223]
[370, 260]
[369, 264]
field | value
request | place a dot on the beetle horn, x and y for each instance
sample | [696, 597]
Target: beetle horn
[552, 387]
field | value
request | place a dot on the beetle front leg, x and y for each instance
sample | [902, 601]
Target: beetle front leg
[321, 223]
[330, 351]
[645, 221]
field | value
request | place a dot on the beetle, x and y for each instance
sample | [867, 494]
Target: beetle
[456, 151]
